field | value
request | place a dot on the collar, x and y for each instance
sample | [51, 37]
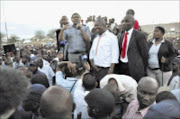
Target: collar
[105, 33]
[161, 41]
[144, 111]
[130, 31]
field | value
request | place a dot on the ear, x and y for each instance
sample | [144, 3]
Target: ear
[35, 105]
[74, 107]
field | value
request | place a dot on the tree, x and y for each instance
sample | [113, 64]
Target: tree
[40, 34]
[51, 33]
[13, 39]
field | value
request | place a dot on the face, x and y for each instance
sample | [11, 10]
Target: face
[127, 23]
[146, 95]
[40, 63]
[24, 60]
[100, 28]
[33, 69]
[129, 12]
[64, 20]
[76, 19]
[157, 33]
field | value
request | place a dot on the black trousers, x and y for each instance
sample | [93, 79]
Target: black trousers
[100, 74]
[122, 68]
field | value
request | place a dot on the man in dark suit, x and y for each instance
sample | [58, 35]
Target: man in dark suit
[133, 51]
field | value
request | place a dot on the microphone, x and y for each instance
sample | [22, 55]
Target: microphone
[76, 24]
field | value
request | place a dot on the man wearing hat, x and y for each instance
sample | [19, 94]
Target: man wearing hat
[32, 101]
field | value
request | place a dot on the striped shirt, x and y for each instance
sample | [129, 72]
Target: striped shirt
[132, 111]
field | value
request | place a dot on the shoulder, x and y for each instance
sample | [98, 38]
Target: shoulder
[168, 42]
[110, 34]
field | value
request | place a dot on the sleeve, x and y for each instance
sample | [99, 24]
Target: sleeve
[51, 72]
[65, 36]
[88, 32]
[114, 50]
[171, 54]
[59, 78]
[91, 54]
[142, 46]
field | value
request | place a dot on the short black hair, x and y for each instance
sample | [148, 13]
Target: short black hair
[89, 81]
[100, 102]
[75, 14]
[13, 88]
[164, 95]
[161, 29]
[131, 11]
[40, 79]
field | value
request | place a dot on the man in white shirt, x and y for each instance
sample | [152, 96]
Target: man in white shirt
[83, 87]
[104, 52]
[46, 69]
[126, 84]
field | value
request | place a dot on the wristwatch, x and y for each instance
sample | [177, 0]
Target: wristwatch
[111, 70]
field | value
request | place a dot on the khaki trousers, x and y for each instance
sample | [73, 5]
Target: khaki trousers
[157, 74]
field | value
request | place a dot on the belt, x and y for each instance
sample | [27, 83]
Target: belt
[102, 67]
[75, 52]
[154, 68]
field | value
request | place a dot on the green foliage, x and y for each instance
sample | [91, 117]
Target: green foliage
[51, 33]
[13, 39]
[40, 34]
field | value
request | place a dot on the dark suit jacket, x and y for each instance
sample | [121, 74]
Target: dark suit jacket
[167, 50]
[137, 54]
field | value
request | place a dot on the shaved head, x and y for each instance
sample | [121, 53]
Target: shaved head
[101, 21]
[147, 91]
[56, 102]
[148, 82]
[113, 89]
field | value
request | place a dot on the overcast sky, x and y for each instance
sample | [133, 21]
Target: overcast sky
[25, 17]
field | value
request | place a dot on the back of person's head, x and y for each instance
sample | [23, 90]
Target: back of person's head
[40, 79]
[89, 81]
[100, 103]
[35, 92]
[56, 102]
[64, 68]
[32, 101]
[166, 109]
[113, 89]
[13, 89]
[164, 95]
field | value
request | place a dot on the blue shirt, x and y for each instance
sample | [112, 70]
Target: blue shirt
[75, 39]
[66, 83]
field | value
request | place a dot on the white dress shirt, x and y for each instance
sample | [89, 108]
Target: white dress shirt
[47, 70]
[106, 51]
[126, 85]
[153, 55]
[125, 59]
[81, 105]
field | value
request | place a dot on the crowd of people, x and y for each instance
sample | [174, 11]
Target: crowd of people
[98, 70]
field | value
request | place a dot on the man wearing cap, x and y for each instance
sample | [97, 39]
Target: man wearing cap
[34, 68]
[25, 60]
[32, 101]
